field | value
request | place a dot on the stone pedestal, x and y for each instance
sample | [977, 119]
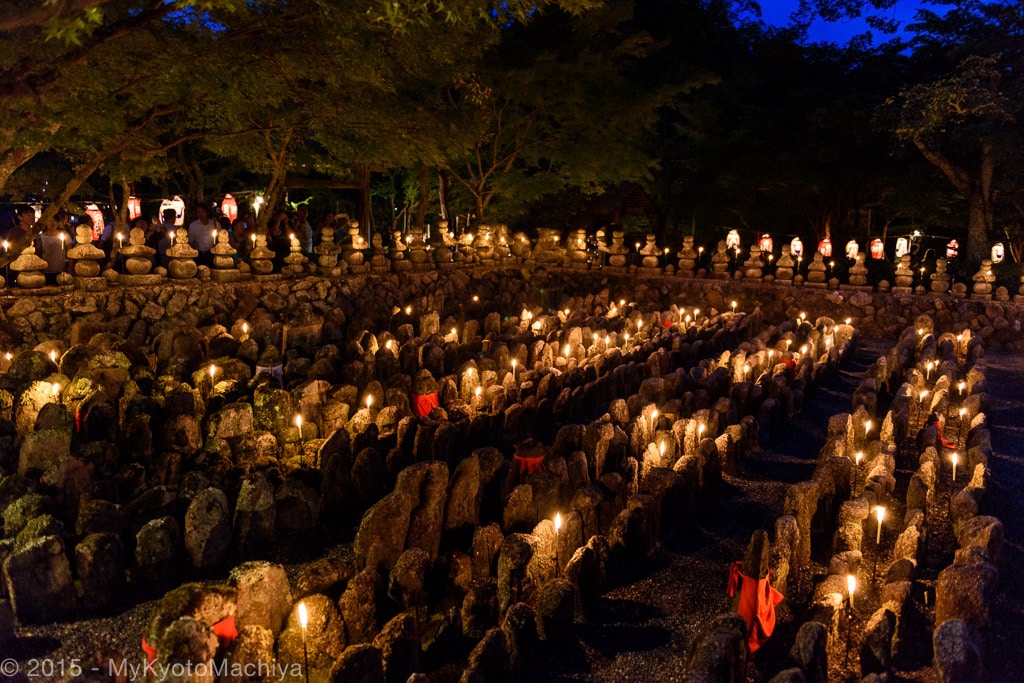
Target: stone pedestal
[226, 275]
[90, 284]
[133, 280]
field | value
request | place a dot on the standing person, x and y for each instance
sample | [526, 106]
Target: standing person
[26, 219]
[51, 244]
[303, 230]
[161, 239]
[200, 234]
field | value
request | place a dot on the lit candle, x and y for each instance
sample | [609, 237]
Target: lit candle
[700, 431]
[851, 587]
[369, 401]
[566, 351]
[55, 390]
[476, 298]
[955, 458]
[253, 236]
[928, 370]
[171, 236]
[803, 317]
[661, 449]
[960, 387]
[53, 357]
[215, 234]
[62, 238]
[880, 516]
[654, 418]
[120, 241]
[858, 457]
[867, 429]
[303, 622]
[514, 364]
[733, 304]
[6, 246]
[558, 527]
[478, 391]
[849, 320]
[408, 310]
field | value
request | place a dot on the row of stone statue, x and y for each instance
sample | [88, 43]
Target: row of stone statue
[487, 246]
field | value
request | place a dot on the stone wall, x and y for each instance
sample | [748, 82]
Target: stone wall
[328, 305]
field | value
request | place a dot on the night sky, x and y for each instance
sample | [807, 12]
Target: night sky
[776, 13]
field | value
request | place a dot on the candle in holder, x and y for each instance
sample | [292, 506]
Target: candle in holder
[53, 357]
[851, 587]
[55, 391]
[733, 305]
[960, 388]
[955, 458]
[298, 425]
[120, 240]
[514, 364]
[928, 370]
[880, 516]
[654, 418]
[867, 429]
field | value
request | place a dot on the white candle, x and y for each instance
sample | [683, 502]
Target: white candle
[880, 514]
[955, 459]
[851, 587]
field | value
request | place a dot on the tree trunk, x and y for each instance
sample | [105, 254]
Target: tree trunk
[424, 200]
[979, 225]
[11, 161]
[364, 200]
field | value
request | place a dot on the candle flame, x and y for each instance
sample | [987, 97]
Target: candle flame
[558, 521]
[369, 400]
[55, 389]
[860, 456]
[298, 422]
[477, 391]
[53, 356]
[245, 328]
[880, 514]
[213, 371]
[851, 584]
[408, 310]
[303, 615]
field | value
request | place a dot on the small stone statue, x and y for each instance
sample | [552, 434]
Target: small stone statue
[29, 268]
[327, 252]
[86, 256]
[650, 252]
[687, 258]
[618, 250]
[138, 257]
[784, 268]
[483, 244]
[904, 273]
[418, 255]
[521, 247]
[816, 270]
[224, 259]
[720, 263]
[398, 253]
[577, 257]
[940, 278]
[859, 271]
[261, 259]
[295, 261]
[754, 266]
[983, 280]
[182, 264]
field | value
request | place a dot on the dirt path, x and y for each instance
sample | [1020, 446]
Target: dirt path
[648, 622]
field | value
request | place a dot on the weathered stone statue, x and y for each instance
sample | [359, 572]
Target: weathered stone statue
[859, 271]
[904, 276]
[940, 278]
[577, 257]
[483, 244]
[224, 269]
[182, 263]
[617, 251]
[784, 268]
[549, 248]
[398, 252]
[720, 263]
[352, 253]
[983, 280]
[650, 253]
[687, 258]
[87, 259]
[754, 266]
[138, 258]
[261, 259]
[327, 253]
[29, 268]
[816, 271]
[295, 261]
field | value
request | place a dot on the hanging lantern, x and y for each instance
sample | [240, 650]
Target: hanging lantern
[998, 252]
[852, 249]
[96, 216]
[179, 205]
[766, 243]
[229, 207]
[732, 240]
[38, 208]
[825, 247]
[952, 249]
[134, 207]
[902, 247]
[796, 247]
[877, 249]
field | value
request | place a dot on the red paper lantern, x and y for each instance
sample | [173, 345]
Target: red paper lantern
[766, 243]
[952, 249]
[134, 207]
[229, 207]
[825, 247]
[94, 213]
[877, 249]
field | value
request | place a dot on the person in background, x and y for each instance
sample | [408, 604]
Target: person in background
[51, 246]
[241, 238]
[303, 230]
[161, 238]
[26, 219]
[200, 234]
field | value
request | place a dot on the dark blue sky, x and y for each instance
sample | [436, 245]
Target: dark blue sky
[776, 13]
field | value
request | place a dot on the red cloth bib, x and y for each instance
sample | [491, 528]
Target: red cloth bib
[422, 405]
[757, 605]
[529, 465]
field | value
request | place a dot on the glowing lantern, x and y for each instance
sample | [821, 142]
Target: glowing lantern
[796, 247]
[825, 247]
[902, 247]
[952, 249]
[852, 249]
[732, 240]
[998, 252]
[766, 243]
[877, 249]
[178, 204]
[94, 213]
[229, 207]
[38, 208]
[134, 207]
